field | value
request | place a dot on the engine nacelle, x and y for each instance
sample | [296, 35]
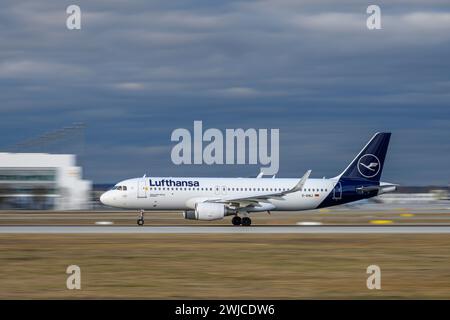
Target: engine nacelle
[208, 211]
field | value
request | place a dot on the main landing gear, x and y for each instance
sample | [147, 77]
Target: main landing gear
[245, 221]
[140, 220]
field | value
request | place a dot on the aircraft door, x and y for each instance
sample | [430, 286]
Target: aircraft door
[142, 188]
[337, 191]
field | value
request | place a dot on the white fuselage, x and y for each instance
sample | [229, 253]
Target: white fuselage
[167, 193]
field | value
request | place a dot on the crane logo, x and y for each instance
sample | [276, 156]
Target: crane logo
[369, 165]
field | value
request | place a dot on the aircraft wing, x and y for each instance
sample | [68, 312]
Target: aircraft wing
[254, 199]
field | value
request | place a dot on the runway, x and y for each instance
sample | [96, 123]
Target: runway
[354, 229]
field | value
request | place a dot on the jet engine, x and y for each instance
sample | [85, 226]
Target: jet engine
[208, 211]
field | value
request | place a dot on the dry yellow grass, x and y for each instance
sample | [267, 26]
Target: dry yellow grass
[225, 266]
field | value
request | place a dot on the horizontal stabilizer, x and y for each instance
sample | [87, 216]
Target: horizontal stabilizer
[384, 188]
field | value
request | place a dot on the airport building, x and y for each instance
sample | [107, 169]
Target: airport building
[42, 181]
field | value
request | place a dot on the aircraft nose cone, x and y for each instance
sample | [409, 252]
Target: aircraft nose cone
[104, 198]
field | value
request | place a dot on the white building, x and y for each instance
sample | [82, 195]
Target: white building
[42, 181]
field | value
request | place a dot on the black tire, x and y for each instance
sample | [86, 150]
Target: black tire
[236, 221]
[140, 222]
[246, 221]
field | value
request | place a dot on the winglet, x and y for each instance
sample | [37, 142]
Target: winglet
[300, 184]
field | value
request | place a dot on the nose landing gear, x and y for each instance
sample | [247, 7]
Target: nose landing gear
[140, 220]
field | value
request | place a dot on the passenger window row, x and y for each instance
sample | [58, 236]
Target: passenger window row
[236, 189]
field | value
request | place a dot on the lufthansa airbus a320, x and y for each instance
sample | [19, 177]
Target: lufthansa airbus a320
[216, 198]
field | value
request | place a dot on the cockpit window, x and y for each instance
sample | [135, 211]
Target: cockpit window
[124, 188]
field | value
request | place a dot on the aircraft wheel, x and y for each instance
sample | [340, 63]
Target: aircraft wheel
[246, 221]
[140, 222]
[236, 221]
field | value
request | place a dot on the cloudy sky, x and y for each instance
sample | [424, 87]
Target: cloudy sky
[137, 70]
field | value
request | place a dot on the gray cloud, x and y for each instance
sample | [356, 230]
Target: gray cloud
[138, 69]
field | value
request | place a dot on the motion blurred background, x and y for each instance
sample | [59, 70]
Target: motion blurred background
[83, 109]
[54, 181]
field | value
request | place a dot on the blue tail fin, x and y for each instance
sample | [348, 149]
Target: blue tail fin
[368, 164]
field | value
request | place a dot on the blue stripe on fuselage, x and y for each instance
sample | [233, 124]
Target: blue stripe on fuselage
[349, 193]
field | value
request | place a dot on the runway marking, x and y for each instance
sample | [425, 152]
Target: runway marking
[381, 221]
[406, 215]
[225, 229]
[309, 223]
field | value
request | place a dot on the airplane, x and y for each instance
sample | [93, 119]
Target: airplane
[215, 198]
